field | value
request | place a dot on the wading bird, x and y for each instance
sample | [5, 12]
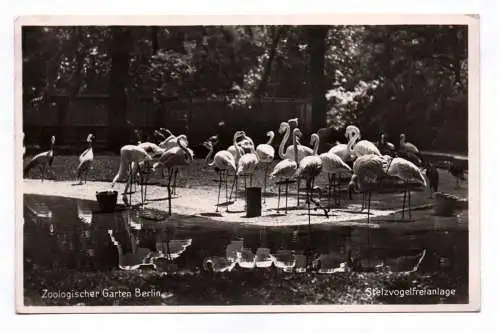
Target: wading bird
[309, 168]
[248, 162]
[223, 162]
[410, 174]
[43, 160]
[130, 157]
[367, 170]
[359, 148]
[409, 151]
[384, 146]
[301, 151]
[172, 159]
[286, 169]
[333, 165]
[86, 159]
[266, 156]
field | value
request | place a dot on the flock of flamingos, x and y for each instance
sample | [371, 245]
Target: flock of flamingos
[365, 162]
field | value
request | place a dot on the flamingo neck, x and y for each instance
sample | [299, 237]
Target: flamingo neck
[281, 151]
[316, 144]
[210, 152]
[295, 148]
[181, 144]
[237, 148]
[271, 137]
[352, 142]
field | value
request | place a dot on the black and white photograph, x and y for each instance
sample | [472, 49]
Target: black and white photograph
[245, 166]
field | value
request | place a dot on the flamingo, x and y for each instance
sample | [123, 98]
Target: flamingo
[266, 155]
[248, 162]
[173, 158]
[302, 151]
[363, 147]
[223, 162]
[172, 142]
[130, 157]
[309, 168]
[235, 149]
[43, 160]
[367, 169]
[246, 144]
[385, 147]
[86, 159]
[333, 164]
[286, 169]
[409, 151]
[409, 173]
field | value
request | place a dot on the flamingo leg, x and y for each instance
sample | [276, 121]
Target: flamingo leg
[286, 197]
[169, 189]
[409, 204]
[404, 203]
[232, 187]
[308, 194]
[227, 199]
[218, 192]
[298, 191]
[336, 187]
[43, 172]
[369, 204]
[174, 186]
[236, 193]
[265, 183]
[329, 189]
[279, 195]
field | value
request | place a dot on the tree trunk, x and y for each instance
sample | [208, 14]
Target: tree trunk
[120, 53]
[267, 69]
[317, 46]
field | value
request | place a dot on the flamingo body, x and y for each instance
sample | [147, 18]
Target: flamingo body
[406, 170]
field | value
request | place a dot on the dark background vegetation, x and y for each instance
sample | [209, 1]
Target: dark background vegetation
[410, 79]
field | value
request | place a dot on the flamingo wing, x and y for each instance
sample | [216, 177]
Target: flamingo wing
[285, 168]
[265, 152]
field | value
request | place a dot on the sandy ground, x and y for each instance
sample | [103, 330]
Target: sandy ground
[200, 201]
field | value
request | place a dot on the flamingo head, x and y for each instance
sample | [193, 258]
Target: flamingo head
[165, 131]
[351, 130]
[382, 137]
[238, 134]
[270, 134]
[293, 123]
[402, 137]
[283, 127]
[314, 139]
[90, 138]
[298, 134]
[53, 139]
[208, 144]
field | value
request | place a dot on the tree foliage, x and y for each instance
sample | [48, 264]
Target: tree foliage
[395, 79]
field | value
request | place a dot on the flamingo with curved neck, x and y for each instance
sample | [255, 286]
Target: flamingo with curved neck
[359, 148]
[285, 170]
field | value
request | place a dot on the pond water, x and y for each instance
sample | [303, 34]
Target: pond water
[70, 233]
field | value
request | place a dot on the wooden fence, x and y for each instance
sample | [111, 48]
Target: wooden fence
[72, 119]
